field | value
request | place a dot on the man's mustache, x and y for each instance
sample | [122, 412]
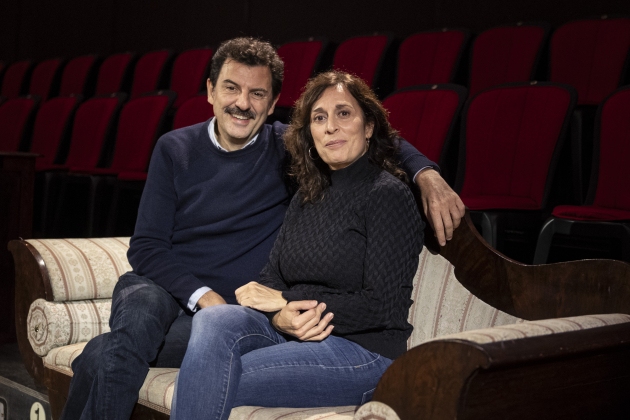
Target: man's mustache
[232, 110]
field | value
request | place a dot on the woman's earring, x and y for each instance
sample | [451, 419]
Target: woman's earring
[310, 153]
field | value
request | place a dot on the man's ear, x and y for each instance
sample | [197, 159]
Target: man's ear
[273, 105]
[210, 92]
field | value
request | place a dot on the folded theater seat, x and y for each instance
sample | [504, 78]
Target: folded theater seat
[492, 338]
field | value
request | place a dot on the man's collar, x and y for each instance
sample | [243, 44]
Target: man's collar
[215, 140]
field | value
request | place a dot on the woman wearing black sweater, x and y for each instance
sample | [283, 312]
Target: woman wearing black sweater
[330, 308]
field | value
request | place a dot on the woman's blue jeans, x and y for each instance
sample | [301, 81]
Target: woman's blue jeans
[235, 357]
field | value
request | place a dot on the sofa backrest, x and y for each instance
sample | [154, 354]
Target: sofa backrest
[443, 306]
[83, 269]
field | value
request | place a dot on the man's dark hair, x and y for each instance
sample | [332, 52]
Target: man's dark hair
[251, 52]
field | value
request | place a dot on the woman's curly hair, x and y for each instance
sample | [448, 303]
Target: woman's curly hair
[311, 173]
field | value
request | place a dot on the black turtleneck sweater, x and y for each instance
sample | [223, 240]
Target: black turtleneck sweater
[356, 250]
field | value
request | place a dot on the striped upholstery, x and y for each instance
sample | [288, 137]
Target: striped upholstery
[56, 324]
[538, 328]
[81, 269]
[157, 392]
[443, 306]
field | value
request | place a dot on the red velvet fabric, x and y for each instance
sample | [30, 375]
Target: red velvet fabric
[429, 57]
[361, 56]
[486, 202]
[112, 72]
[591, 213]
[50, 126]
[299, 59]
[42, 78]
[589, 55]
[190, 71]
[89, 131]
[14, 115]
[132, 176]
[423, 117]
[613, 186]
[510, 136]
[193, 111]
[504, 54]
[75, 75]
[148, 71]
[138, 127]
[13, 79]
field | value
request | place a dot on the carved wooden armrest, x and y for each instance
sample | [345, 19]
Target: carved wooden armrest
[584, 373]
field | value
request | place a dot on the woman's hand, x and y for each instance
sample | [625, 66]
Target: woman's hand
[256, 296]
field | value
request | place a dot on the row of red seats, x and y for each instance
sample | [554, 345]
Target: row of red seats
[87, 75]
[588, 54]
[511, 137]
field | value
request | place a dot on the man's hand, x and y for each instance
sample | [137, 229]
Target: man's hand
[256, 296]
[210, 298]
[442, 206]
[307, 325]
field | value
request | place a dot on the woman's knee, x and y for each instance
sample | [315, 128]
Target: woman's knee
[224, 322]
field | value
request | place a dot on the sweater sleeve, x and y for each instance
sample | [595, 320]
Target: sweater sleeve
[150, 248]
[411, 160]
[394, 241]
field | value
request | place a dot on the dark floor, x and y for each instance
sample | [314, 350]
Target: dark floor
[11, 368]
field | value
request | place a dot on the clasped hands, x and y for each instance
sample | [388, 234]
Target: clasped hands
[301, 319]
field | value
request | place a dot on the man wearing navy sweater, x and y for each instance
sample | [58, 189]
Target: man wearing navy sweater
[214, 200]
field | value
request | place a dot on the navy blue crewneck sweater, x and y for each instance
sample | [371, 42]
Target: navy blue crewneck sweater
[208, 217]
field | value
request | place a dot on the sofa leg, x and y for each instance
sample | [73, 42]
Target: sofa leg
[57, 401]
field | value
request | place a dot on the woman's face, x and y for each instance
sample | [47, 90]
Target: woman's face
[338, 128]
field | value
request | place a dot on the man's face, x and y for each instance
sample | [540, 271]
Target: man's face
[242, 100]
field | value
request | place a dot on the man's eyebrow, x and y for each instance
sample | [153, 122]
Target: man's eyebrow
[225, 81]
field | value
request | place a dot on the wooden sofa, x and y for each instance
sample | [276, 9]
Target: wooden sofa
[472, 354]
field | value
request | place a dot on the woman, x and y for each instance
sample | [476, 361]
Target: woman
[339, 279]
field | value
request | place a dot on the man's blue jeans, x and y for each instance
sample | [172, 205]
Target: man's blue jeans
[235, 357]
[148, 328]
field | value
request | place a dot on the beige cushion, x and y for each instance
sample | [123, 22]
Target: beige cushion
[538, 328]
[81, 269]
[443, 306]
[157, 392]
[56, 324]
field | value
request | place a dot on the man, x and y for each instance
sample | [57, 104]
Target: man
[214, 200]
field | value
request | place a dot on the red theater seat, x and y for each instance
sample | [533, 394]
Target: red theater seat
[150, 71]
[425, 116]
[590, 55]
[193, 111]
[606, 212]
[16, 118]
[190, 72]
[78, 75]
[506, 54]
[363, 56]
[430, 57]
[511, 138]
[16, 78]
[51, 125]
[301, 59]
[45, 78]
[113, 73]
